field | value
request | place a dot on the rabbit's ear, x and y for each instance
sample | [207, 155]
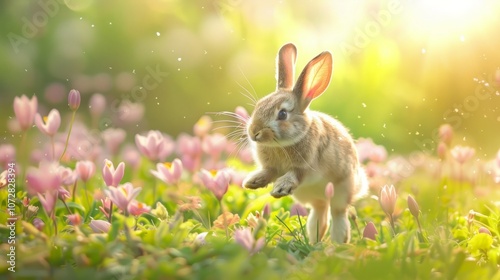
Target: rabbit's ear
[314, 79]
[285, 64]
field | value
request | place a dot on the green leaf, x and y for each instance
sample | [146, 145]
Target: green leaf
[480, 242]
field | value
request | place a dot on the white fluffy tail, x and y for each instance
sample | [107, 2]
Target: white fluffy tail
[361, 183]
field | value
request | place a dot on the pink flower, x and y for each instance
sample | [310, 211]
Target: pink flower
[154, 145]
[50, 124]
[44, 178]
[106, 206]
[130, 112]
[446, 133]
[74, 219]
[462, 154]
[188, 145]
[67, 175]
[168, 172]
[63, 193]
[111, 176]
[48, 201]
[214, 144]
[246, 155]
[74, 99]
[131, 156]
[298, 209]
[245, 238]
[97, 105]
[202, 126]
[388, 199]
[200, 239]
[113, 138]
[329, 191]
[25, 110]
[242, 114]
[191, 163]
[370, 231]
[215, 181]
[7, 154]
[99, 226]
[137, 208]
[38, 223]
[122, 195]
[85, 169]
[367, 150]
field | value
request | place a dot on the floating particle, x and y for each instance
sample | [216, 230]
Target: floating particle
[364, 105]
[158, 34]
[423, 51]
[179, 59]
[462, 38]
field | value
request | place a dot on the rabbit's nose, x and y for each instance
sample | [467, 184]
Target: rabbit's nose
[256, 136]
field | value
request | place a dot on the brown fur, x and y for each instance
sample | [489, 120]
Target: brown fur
[308, 149]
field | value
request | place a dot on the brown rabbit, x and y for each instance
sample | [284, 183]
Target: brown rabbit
[302, 150]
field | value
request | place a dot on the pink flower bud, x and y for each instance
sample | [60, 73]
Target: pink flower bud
[97, 105]
[74, 219]
[85, 169]
[413, 206]
[99, 226]
[388, 199]
[266, 212]
[245, 238]
[38, 223]
[74, 99]
[484, 230]
[441, 150]
[202, 126]
[25, 110]
[329, 191]
[242, 114]
[446, 133]
[370, 231]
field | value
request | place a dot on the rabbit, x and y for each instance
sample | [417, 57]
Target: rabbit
[301, 150]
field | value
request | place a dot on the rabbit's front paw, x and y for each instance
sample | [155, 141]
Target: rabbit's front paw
[284, 186]
[258, 179]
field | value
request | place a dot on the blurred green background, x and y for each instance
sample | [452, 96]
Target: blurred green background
[401, 68]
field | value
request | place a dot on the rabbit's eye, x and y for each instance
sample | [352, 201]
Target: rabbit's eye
[282, 114]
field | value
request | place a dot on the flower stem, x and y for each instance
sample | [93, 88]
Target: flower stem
[86, 195]
[67, 208]
[391, 219]
[69, 133]
[54, 222]
[110, 217]
[74, 190]
[224, 218]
